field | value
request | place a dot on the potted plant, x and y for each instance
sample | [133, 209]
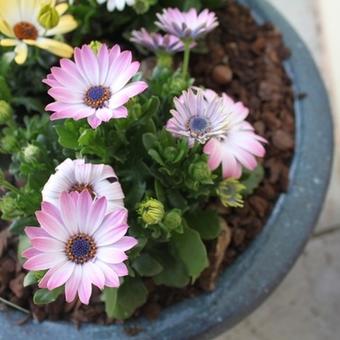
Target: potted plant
[138, 189]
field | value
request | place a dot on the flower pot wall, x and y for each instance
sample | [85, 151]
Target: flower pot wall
[247, 283]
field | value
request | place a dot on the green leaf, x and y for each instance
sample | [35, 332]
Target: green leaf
[145, 265]
[206, 222]
[24, 243]
[176, 199]
[156, 157]
[30, 279]
[174, 273]
[160, 194]
[252, 180]
[121, 303]
[191, 250]
[149, 140]
[45, 296]
[86, 137]
[68, 138]
[17, 226]
[5, 92]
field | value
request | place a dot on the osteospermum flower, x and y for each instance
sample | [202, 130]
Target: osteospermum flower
[116, 4]
[75, 176]
[196, 118]
[79, 244]
[19, 23]
[157, 42]
[187, 25]
[239, 145]
[94, 86]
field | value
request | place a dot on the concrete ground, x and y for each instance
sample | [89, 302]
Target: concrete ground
[307, 304]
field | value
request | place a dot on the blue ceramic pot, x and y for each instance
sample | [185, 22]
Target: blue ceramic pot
[249, 281]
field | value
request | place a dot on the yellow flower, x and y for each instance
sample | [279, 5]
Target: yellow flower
[19, 23]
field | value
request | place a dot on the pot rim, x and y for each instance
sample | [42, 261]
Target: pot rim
[285, 233]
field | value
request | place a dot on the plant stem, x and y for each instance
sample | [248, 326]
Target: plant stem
[186, 60]
[13, 305]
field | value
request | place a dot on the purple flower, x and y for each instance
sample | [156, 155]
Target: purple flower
[196, 118]
[80, 244]
[94, 86]
[157, 42]
[187, 25]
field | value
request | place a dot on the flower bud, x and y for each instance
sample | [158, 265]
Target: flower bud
[200, 172]
[173, 219]
[31, 153]
[229, 192]
[151, 211]
[95, 46]
[48, 17]
[6, 112]
[142, 6]
[9, 144]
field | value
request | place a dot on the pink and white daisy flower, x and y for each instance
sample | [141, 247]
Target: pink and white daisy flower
[94, 86]
[157, 42]
[80, 244]
[239, 145]
[196, 118]
[76, 175]
[187, 25]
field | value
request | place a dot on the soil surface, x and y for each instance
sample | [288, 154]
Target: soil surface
[245, 60]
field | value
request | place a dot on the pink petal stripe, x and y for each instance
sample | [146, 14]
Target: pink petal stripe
[120, 268]
[111, 235]
[32, 232]
[111, 255]
[61, 275]
[126, 243]
[96, 215]
[95, 274]
[47, 244]
[69, 212]
[47, 276]
[30, 252]
[72, 284]
[52, 226]
[83, 208]
[85, 288]
[44, 261]
[111, 277]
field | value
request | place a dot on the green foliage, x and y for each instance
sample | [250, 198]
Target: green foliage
[120, 303]
[45, 296]
[252, 179]
[191, 250]
[206, 222]
[167, 184]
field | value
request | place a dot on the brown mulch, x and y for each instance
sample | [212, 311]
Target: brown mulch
[246, 61]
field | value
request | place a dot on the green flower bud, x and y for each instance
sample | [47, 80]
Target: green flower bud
[48, 17]
[6, 112]
[31, 153]
[95, 46]
[9, 144]
[170, 153]
[200, 172]
[142, 6]
[151, 211]
[229, 192]
[173, 219]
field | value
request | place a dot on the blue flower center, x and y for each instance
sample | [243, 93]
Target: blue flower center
[96, 92]
[198, 125]
[97, 96]
[80, 248]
